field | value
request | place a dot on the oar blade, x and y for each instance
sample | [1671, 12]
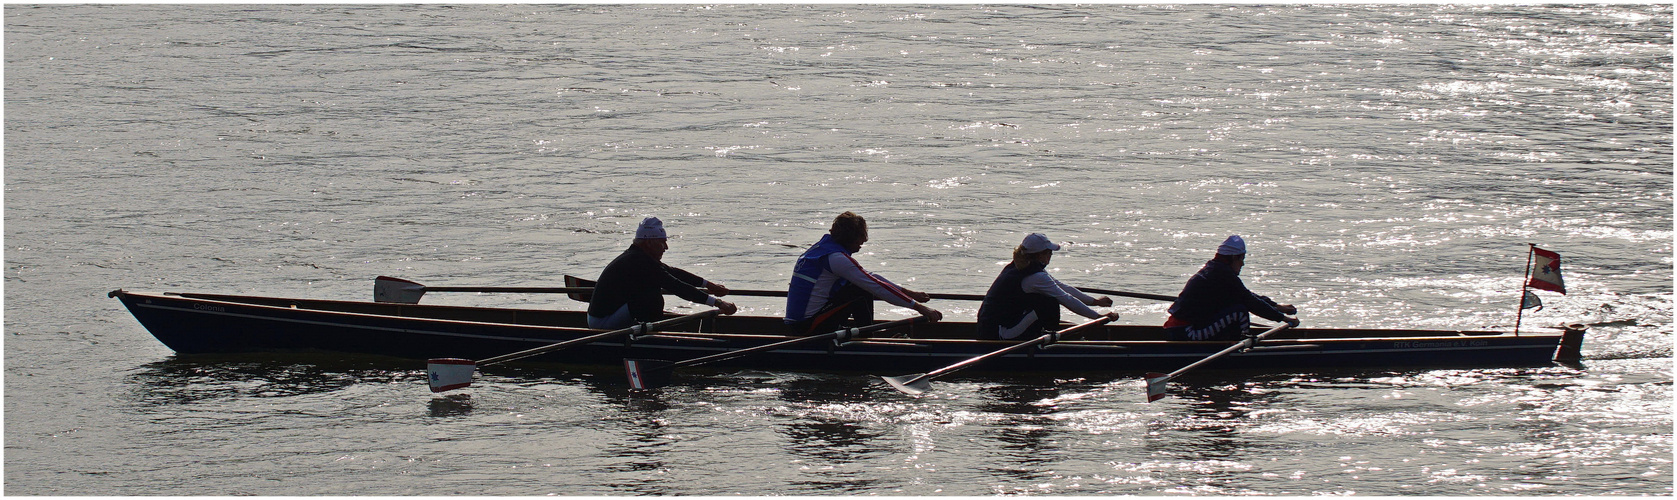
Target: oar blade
[575, 282]
[397, 290]
[913, 385]
[647, 373]
[1156, 385]
[448, 374]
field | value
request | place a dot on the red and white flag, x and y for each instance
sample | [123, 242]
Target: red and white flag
[1546, 271]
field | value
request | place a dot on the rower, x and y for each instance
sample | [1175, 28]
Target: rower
[828, 286]
[1215, 304]
[631, 288]
[1025, 300]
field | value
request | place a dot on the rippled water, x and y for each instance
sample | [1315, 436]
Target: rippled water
[1388, 166]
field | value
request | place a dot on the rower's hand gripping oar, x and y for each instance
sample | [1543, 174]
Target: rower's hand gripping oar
[401, 291]
[448, 374]
[653, 373]
[1156, 381]
[919, 383]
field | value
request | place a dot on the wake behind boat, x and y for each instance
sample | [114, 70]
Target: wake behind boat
[200, 323]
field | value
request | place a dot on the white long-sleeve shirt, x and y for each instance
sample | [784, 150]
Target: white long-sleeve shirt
[844, 267]
[1067, 295]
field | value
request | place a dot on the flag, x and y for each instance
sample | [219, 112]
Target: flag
[1546, 271]
[1531, 301]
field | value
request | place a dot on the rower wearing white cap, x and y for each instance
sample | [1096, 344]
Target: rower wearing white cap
[1025, 300]
[631, 288]
[1215, 304]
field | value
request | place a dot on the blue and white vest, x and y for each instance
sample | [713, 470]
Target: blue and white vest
[811, 265]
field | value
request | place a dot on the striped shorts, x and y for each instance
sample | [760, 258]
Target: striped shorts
[1231, 324]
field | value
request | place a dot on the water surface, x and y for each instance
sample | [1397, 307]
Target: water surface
[1388, 166]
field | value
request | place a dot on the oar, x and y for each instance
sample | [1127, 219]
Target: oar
[575, 281]
[1150, 296]
[1156, 381]
[388, 289]
[921, 382]
[447, 374]
[653, 373]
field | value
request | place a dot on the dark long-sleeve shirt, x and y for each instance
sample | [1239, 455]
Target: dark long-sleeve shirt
[637, 279]
[1213, 289]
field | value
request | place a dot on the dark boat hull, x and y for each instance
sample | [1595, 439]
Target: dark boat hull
[202, 323]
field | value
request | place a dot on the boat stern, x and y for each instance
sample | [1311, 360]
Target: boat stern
[1570, 352]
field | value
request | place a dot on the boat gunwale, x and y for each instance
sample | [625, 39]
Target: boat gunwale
[1438, 335]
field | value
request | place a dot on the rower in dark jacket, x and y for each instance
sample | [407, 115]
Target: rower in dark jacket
[1215, 304]
[1025, 300]
[631, 288]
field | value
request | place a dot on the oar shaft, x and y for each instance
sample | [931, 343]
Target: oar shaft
[1003, 352]
[1244, 344]
[757, 293]
[1137, 295]
[509, 289]
[781, 293]
[970, 296]
[588, 286]
[595, 338]
[777, 345]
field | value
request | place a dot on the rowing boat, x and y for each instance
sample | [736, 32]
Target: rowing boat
[198, 323]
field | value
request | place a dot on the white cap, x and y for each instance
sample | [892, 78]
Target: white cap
[1232, 246]
[1037, 242]
[651, 228]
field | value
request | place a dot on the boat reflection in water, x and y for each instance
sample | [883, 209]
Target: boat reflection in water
[194, 379]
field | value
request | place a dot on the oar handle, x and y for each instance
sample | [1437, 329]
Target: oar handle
[648, 327]
[1015, 347]
[777, 345]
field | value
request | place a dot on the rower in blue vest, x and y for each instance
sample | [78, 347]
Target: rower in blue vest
[1215, 304]
[631, 288]
[1025, 300]
[830, 289]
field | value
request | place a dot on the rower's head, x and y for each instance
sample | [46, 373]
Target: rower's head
[1035, 248]
[1232, 252]
[650, 238]
[850, 231]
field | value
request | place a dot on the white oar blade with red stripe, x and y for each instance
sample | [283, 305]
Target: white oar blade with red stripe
[448, 374]
[647, 373]
[1156, 385]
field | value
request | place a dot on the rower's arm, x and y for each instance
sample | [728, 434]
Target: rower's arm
[1044, 284]
[1264, 307]
[846, 267]
[684, 284]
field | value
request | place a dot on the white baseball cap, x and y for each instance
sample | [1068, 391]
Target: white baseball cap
[1037, 242]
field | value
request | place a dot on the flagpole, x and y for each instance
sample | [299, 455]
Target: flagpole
[1524, 284]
